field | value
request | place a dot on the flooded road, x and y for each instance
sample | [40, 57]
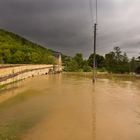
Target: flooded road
[64, 107]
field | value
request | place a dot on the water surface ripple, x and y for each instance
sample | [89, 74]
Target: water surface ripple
[64, 107]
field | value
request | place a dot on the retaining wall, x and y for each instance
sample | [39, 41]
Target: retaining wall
[9, 74]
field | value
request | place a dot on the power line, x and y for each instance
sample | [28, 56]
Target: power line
[96, 17]
[91, 13]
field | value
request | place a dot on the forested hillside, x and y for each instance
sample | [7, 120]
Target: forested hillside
[17, 50]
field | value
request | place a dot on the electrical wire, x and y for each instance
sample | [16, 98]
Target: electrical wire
[94, 17]
[91, 13]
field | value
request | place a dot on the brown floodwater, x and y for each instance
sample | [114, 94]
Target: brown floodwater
[65, 107]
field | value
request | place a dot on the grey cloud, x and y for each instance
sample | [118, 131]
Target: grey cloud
[65, 25]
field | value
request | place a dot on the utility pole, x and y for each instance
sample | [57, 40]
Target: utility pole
[94, 54]
[94, 31]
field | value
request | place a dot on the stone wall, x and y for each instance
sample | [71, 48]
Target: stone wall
[12, 73]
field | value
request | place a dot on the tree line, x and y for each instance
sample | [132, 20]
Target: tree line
[113, 62]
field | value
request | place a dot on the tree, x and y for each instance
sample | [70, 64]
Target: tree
[48, 59]
[72, 66]
[117, 62]
[65, 59]
[100, 61]
[86, 67]
[18, 57]
[1, 58]
[117, 52]
[138, 58]
[77, 64]
[137, 62]
[133, 64]
[6, 56]
[137, 70]
[110, 61]
[79, 59]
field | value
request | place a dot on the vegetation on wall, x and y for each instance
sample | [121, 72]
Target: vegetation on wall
[17, 50]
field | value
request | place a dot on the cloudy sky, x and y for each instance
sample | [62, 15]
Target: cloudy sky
[65, 25]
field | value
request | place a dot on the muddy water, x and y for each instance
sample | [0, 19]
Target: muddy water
[61, 107]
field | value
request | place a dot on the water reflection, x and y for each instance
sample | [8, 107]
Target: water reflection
[64, 107]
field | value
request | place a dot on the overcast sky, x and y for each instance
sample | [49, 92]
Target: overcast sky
[65, 25]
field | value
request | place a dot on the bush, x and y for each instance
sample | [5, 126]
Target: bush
[137, 70]
[87, 68]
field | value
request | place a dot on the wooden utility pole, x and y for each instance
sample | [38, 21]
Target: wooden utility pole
[94, 31]
[94, 56]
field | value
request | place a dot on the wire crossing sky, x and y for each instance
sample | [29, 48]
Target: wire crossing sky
[65, 25]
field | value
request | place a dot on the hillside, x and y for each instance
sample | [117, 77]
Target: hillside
[18, 50]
